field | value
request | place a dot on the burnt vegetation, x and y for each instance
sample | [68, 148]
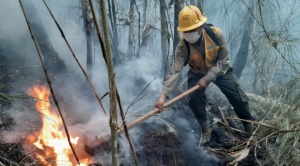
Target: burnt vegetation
[264, 43]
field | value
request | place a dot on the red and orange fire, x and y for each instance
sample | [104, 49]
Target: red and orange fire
[51, 141]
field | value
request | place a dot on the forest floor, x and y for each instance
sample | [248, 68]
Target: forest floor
[162, 146]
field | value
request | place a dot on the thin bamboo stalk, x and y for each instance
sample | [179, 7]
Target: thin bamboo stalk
[98, 32]
[106, 138]
[126, 130]
[112, 84]
[48, 81]
[75, 57]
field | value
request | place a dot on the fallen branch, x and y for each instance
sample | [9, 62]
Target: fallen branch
[234, 129]
[225, 122]
[254, 122]
[255, 155]
[218, 152]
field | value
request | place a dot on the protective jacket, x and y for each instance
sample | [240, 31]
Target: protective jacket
[206, 57]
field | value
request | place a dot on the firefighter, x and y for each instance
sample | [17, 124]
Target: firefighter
[204, 49]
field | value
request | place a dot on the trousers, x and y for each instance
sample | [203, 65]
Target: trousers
[229, 86]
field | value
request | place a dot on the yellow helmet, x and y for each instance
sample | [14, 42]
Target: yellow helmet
[190, 17]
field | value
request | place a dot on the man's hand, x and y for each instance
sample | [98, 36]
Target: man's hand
[160, 102]
[202, 84]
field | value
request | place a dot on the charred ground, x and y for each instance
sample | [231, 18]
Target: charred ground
[171, 143]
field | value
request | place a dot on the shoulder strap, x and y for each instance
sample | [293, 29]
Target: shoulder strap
[210, 33]
[187, 45]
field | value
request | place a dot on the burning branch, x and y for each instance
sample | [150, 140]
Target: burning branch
[48, 80]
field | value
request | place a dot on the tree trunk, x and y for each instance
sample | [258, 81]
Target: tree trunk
[114, 33]
[114, 19]
[116, 57]
[110, 14]
[178, 5]
[163, 33]
[88, 26]
[200, 5]
[112, 86]
[130, 50]
[146, 27]
[242, 54]
[193, 2]
[52, 61]
[139, 30]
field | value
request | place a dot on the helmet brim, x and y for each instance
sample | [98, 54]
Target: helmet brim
[183, 29]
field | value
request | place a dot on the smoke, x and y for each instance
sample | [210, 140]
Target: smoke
[82, 113]
[84, 116]
[13, 25]
[22, 124]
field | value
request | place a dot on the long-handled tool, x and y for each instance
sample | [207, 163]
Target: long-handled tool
[156, 110]
[106, 138]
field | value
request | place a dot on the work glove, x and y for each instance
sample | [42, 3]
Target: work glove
[160, 102]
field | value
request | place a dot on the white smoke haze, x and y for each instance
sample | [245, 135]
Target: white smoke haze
[23, 124]
[83, 114]
[96, 127]
[13, 25]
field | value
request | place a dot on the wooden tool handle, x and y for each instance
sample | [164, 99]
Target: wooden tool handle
[156, 110]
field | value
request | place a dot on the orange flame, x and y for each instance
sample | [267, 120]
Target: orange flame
[51, 141]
